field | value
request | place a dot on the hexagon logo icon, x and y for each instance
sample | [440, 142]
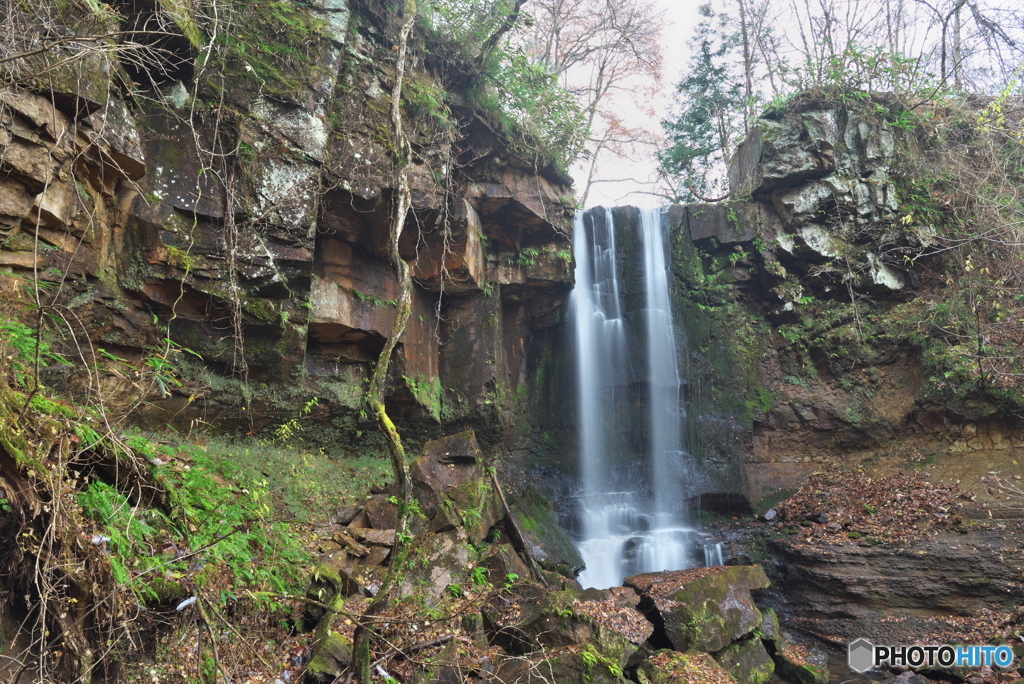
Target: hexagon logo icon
[861, 655]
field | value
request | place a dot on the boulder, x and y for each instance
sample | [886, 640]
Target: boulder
[452, 488]
[381, 513]
[703, 608]
[575, 666]
[343, 516]
[692, 667]
[543, 537]
[440, 560]
[502, 563]
[769, 629]
[616, 608]
[335, 575]
[441, 668]
[747, 661]
[529, 618]
[478, 505]
[333, 658]
[445, 464]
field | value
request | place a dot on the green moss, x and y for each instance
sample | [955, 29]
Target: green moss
[273, 48]
[373, 299]
[527, 523]
[747, 662]
[49, 407]
[160, 589]
[303, 479]
[428, 392]
[729, 338]
[262, 309]
[135, 274]
[425, 103]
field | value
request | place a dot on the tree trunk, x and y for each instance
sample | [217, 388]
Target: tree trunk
[361, 648]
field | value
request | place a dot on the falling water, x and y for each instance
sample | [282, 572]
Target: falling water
[598, 317]
[633, 461]
[668, 460]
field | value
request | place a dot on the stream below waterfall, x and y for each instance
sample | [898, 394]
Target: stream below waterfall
[635, 469]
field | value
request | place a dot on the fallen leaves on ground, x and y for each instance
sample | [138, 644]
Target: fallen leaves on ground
[618, 611]
[838, 504]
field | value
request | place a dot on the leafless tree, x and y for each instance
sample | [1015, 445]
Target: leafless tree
[607, 53]
[968, 44]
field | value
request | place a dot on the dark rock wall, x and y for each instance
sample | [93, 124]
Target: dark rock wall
[240, 208]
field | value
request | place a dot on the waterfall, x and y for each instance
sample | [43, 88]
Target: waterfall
[633, 461]
[713, 554]
[668, 459]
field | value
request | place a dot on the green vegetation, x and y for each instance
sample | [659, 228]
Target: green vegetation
[302, 482]
[273, 42]
[428, 392]
[426, 102]
[701, 134]
[219, 522]
[592, 658]
[519, 98]
[729, 337]
[27, 348]
[141, 523]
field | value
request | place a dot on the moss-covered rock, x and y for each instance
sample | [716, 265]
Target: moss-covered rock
[769, 629]
[800, 665]
[441, 668]
[477, 504]
[541, 619]
[544, 538]
[571, 666]
[704, 608]
[436, 562]
[747, 661]
[332, 659]
[692, 667]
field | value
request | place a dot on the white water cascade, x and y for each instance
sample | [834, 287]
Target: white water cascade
[634, 465]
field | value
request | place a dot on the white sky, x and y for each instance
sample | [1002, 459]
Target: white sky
[676, 38]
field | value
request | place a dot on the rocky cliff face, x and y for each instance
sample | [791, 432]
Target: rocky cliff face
[218, 222]
[836, 322]
[811, 306]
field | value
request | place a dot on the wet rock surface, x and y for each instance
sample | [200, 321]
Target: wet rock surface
[548, 543]
[747, 661]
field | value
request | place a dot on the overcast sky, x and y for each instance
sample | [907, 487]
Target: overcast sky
[677, 35]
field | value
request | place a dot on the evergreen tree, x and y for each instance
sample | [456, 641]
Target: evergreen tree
[709, 114]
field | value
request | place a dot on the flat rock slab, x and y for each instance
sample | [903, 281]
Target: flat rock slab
[705, 609]
[616, 608]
